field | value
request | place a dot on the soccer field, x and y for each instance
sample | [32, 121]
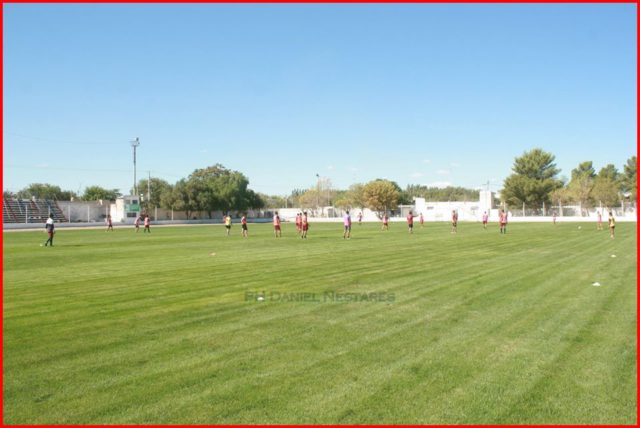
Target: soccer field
[429, 328]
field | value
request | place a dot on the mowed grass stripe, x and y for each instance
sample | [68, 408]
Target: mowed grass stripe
[209, 357]
[483, 403]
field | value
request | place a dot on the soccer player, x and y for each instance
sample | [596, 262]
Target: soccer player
[503, 222]
[485, 220]
[109, 223]
[347, 226]
[147, 223]
[410, 221]
[137, 223]
[421, 218]
[385, 222]
[599, 221]
[276, 225]
[359, 218]
[227, 223]
[555, 217]
[305, 225]
[612, 225]
[49, 227]
[243, 222]
[454, 221]
[299, 223]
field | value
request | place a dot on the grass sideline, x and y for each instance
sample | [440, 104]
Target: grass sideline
[123, 328]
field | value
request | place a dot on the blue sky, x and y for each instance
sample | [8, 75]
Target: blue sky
[421, 93]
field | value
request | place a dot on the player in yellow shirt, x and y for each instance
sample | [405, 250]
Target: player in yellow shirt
[612, 225]
[227, 223]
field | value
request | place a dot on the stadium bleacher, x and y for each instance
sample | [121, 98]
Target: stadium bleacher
[30, 211]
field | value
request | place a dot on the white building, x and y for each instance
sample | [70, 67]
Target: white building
[125, 209]
[467, 211]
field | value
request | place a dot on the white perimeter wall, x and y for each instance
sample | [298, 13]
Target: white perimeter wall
[81, 211]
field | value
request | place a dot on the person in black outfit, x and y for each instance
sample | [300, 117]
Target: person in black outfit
[50, 230]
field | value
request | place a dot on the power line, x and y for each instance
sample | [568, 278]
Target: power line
[53, 168]
[59, 141]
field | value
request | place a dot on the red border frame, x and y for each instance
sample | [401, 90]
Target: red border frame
[298, 2]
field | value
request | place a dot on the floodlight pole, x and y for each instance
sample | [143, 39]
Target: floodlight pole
[135, 143]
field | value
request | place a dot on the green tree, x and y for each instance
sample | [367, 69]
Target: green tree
[606, 186]
[294, 197]
[95, 193]
[218, 188]
[584, 169]
[581, 184]
[606, 191]
[45, 191]
[629, 178]
[309, 199]
[183, 197]
[255, 200]
[580, 189]
[351, 198]
[273, 201]
[356, 195]
[534, 178]
[609, 171]
[560, 195]
[380, 195]
[158, 188]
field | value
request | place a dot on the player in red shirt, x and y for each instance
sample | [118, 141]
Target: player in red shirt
[599, 221]
[109, 223]
[305, 225]
[299, 223]
[503, 222]
[410, 221]
[454, 221]
[276, 225]
[385, 222]
[243, 222]
[147, 224]
[421, 218]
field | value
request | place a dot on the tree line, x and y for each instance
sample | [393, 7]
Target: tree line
[535, 182]
[210, 189]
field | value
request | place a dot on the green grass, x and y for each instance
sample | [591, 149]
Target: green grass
[124, 328]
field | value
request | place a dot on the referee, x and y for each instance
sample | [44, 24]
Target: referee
[50, 230]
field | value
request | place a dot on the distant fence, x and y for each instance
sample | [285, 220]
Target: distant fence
[624, 210]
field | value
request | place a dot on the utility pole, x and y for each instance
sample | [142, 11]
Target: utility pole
[135, 143]
[149, 188]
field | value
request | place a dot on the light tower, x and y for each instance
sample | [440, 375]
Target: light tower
[135, 143]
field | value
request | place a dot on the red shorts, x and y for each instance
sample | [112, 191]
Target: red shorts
[276, 226]
[305, 227]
